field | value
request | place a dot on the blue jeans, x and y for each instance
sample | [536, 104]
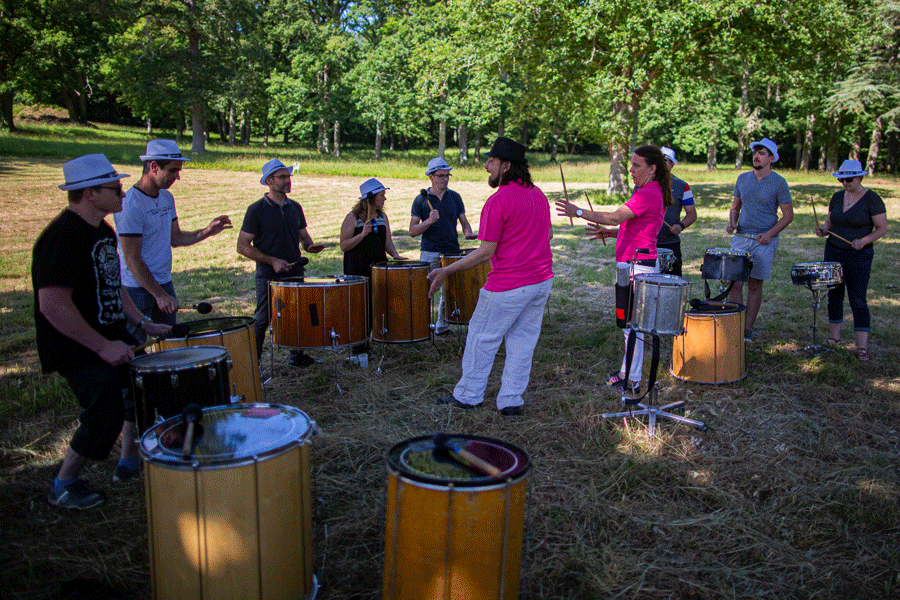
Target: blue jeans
[856, 266]
[146, 303]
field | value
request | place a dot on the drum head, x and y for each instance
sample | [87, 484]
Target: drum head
[231, 435]
[418, 459]
[318, 280]
[401, 264]
[179, 358]
[221, 325]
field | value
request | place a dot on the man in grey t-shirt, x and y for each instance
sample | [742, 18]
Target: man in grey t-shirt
[758, 197]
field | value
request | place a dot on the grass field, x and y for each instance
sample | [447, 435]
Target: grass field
[792, 492]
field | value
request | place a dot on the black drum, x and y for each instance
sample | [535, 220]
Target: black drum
[725, 264]
[167, 381]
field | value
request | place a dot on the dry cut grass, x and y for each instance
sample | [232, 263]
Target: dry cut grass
[792, 492]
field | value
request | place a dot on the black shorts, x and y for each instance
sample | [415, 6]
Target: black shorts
[102, 391]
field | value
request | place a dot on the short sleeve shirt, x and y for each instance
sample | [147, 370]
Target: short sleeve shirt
[856, 222]
[760, 200]
[640, 231]
[682, 196]
[518, 219]
[71, 253]
[276, 232]
[151, 219]
[441, 236]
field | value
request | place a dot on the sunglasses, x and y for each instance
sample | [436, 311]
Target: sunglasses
[845, 179]
[117, 189]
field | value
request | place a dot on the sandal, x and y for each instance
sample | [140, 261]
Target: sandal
[832, 342]
[863, 355]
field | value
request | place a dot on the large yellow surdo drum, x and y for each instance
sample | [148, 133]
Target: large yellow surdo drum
[401, 311]
[234, 520]
[711, 350]
[235, 334]
[451, 532]
[461, 289]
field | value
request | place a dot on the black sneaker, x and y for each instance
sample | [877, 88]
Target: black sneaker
[78, 494]
[302, 360]
[454, 402]
[511, 411]
[123, 474]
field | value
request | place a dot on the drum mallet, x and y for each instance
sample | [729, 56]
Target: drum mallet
[201, 307]
[192, 414]
[442, 442]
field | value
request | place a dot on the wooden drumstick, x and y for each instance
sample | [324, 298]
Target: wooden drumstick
[565, 191]
[815, 214]
[749, 237]
[843, 239]
[591, 206]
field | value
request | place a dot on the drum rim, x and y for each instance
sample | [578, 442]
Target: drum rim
[139, 368]
[832, 263]
[247, 321]
[725, 252]
[670, 280]
[169, 459]
[401, 264]
[435, 483]
[333, 280]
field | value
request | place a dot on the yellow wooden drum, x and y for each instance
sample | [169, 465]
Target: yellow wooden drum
[711, 350]
[234, 519]
[461, 289]
[401, 310]
[451, 532]
[234, 334]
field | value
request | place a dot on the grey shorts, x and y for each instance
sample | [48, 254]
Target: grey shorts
[762, 256]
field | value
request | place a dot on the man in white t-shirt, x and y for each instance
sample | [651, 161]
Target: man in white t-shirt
[148, 228]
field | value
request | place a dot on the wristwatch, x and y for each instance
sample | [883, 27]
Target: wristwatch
[579, 212]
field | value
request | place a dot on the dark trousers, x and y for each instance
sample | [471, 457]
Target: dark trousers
[102, 391]
[856, 266]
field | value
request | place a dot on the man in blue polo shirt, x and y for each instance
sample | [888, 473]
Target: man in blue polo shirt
[758, 196]
[434, 215]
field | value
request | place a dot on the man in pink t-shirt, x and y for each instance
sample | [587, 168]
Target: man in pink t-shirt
[515, 235]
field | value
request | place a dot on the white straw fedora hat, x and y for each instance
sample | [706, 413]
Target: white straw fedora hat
[88, 171]
[163, 150]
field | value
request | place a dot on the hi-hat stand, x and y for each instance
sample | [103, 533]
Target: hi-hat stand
[651, 409]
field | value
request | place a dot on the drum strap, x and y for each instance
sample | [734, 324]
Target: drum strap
[624, 304]
[654, 366]
[721, 296]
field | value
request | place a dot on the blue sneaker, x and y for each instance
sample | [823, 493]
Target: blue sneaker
[79, 494]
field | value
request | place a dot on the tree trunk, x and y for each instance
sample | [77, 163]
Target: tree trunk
[856, 144]
[245, 127]
[6, 110]
[744, 115]
[808, 143]
[555, 144]
[182, 125]
[377, 139]
[618, 150]
[875, 145]
[833, 144]
[442, 136]
[478, 146]
[149, 125]
[711, 158]
[798, 148]
[322, 140]
[198, 139]
[232, 123]
[337, 138]
[462, 136]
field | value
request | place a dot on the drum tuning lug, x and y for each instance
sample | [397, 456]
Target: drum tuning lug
[139, 382]
[174, 379]
[314, 428]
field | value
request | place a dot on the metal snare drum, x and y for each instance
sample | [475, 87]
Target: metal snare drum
[665, 259]
[659, 302]
[726, 264]
[817, 275]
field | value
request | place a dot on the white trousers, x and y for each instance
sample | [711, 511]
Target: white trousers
[637, 361]
[434, 261]
[513, 317]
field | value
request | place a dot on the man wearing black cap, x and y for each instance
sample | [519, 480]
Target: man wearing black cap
[273, 231]
[80, 314]
[515, 235]
[148, 228]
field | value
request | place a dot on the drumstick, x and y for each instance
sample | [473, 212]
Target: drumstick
[815, 214]
[843, 239]
[565, 191]
[591, 206]
[179, 331]
[442, 442]
[201, 307]
[192, 415]
[749, 237]
[424, 193]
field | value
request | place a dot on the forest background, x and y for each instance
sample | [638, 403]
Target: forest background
[563, 76]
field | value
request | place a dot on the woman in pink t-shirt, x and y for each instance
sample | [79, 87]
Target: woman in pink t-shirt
[639, 221]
